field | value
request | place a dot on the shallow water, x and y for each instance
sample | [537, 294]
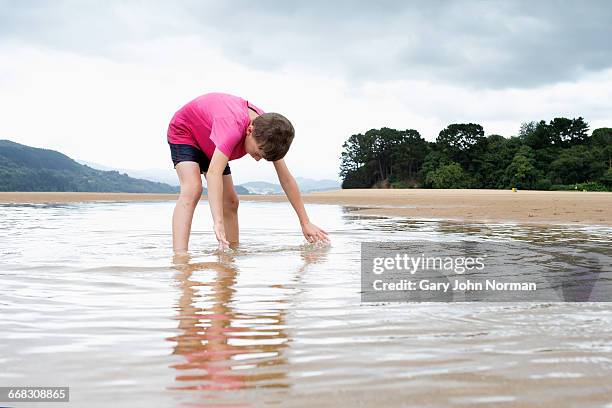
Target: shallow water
[92, 298]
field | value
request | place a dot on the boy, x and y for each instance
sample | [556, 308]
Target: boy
[203, 136]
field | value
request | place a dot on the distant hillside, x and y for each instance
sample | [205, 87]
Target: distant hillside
[242, 190]
[25, 168]
[253, 187]
[262, 187]
[306, 185]
[167, 175]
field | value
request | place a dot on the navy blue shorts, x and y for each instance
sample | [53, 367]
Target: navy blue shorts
[185, 152]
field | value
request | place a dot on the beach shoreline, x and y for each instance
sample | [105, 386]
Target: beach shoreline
[548, 207]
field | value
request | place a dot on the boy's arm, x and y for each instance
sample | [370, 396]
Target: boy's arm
[291, 189]
[214, 181]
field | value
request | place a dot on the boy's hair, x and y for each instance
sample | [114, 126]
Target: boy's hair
[273, 133]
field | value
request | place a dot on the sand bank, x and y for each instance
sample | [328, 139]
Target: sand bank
[473, 205]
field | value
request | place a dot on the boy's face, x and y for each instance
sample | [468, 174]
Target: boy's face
[250, 145]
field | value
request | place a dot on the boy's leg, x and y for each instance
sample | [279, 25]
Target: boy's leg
[230, 210]
[191, 191]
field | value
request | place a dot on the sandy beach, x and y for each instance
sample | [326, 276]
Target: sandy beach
[555, 207]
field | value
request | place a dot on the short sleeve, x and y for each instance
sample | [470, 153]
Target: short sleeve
[226, 133]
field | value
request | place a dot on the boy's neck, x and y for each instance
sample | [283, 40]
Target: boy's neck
[252, 113]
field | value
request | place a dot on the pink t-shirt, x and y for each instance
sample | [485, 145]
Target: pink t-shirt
[213, 120]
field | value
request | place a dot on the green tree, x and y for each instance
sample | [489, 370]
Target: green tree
[462, 143]
[601, 141]
[490, 164]
[434, 159]
[559, 132]
[535, 134]
[408, 156]
[460, 136]
[521, 172]
[381, 154]
[448, 176]
[606, 179]
[568, 132]
[357, 161]
[576, 165]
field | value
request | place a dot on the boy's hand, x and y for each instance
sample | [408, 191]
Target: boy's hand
[312, 233]
[220, 234]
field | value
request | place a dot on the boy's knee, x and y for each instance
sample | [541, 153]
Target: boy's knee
[231, 203]
[190, 194]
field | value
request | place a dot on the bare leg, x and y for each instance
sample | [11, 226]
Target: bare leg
[191, 191]
[230, 210]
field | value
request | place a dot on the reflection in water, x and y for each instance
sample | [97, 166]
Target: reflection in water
[225, 349]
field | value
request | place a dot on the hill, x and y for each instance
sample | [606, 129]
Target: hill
[262, 187]
[167, 175]
[306, 186]
[310, 185]
[25, 168]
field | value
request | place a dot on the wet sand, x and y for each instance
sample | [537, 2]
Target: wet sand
[554, 207]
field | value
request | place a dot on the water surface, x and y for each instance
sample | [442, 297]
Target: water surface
[93, 298]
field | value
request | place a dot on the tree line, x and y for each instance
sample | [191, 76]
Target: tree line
[558, 155]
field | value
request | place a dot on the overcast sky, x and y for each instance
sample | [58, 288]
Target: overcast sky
[100, 80]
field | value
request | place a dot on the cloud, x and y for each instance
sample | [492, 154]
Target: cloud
[515, 44]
